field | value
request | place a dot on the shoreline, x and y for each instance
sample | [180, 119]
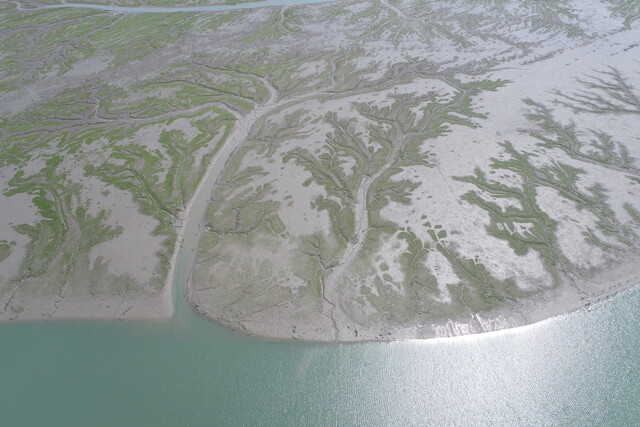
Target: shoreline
[552, 304]
[540, 311]
[474, 334]
[103, 309]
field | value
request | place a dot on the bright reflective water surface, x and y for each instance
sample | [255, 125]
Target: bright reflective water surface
[576, 370]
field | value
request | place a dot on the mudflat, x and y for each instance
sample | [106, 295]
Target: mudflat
[372, 170]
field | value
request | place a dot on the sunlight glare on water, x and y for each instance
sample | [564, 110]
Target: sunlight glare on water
[580, 369]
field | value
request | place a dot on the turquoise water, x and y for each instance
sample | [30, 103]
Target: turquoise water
[575, 370]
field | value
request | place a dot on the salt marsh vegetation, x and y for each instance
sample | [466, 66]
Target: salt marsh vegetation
[383, 170]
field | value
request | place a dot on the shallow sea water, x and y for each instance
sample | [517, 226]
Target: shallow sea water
[580, 369]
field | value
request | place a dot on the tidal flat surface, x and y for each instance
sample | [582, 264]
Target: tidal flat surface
[352, 171]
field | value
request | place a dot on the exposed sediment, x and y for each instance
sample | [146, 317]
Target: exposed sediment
[376, 170]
